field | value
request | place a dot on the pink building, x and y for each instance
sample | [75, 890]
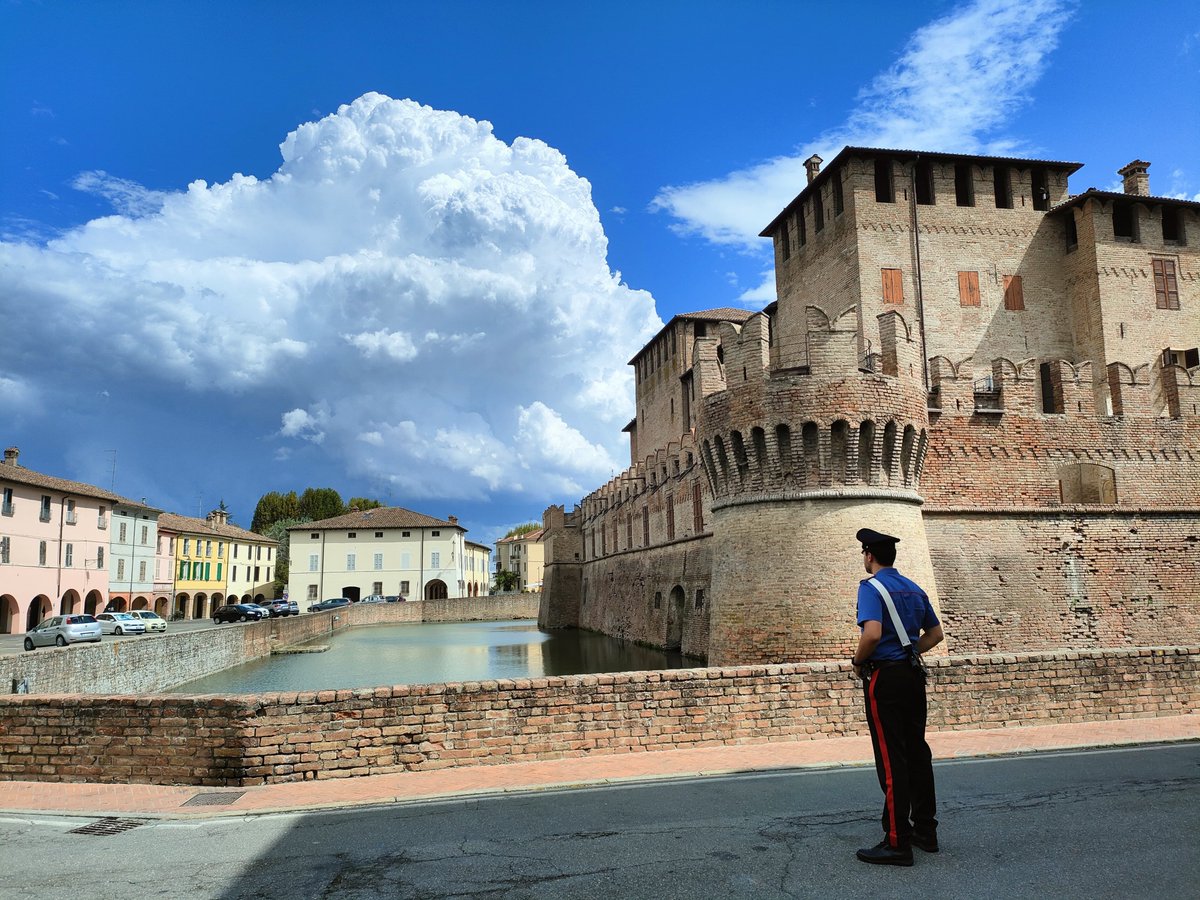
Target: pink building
[54, 545]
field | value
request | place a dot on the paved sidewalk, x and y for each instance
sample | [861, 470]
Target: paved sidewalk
[156, 801]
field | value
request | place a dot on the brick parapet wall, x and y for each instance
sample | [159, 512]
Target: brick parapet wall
[211, 740]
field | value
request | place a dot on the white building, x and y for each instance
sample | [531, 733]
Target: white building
[389, 550]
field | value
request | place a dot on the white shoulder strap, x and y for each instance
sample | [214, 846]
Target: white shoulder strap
[901, 631]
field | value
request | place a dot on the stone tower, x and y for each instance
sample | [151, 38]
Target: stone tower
[799, 458]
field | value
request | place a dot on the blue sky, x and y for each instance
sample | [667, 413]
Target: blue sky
[402, 301]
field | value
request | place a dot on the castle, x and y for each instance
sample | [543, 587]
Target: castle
[963, 354]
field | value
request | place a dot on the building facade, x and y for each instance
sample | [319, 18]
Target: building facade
[133, 563]
[962, 353]
[523, 555]
[204, 564]
[389, 550]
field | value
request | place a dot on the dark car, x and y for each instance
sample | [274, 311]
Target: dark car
[238, 612]
[335, 603]
[277, 608]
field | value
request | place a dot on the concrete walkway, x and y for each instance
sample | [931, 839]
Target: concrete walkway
[168, 802]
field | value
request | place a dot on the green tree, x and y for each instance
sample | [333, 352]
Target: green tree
[506, 580]
[274, 507]
[360, 503]
[523, 529]
[320, 503]
[278, 531]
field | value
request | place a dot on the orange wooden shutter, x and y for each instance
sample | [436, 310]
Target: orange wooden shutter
[968, 288]
[893, 286]
[1166, 287]
[1014, 296]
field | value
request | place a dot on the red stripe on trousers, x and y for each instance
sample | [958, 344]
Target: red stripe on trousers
[889, 796]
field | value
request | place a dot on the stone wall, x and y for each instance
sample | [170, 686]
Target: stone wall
[211, 740]
[155, 663]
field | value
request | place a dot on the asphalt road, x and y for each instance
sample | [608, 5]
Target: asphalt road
[1118, 823]
[14, 643]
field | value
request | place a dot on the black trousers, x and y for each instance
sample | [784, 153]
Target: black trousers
[895, 699]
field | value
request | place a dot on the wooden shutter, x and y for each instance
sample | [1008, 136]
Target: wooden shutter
[697, 509]
[893, 286]
[1014, 296]
[1166, 286]
[968, 288]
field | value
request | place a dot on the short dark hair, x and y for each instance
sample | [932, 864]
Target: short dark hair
[885, 554]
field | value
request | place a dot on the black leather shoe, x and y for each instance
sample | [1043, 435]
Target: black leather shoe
[928, 843]
[883, 854]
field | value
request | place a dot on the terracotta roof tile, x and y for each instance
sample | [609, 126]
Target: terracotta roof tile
[192, 525]
[383, 517]
[22, 475]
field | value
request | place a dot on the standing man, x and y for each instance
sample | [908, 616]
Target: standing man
[894, 690]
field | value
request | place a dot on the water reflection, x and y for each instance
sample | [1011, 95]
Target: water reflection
[429, 654]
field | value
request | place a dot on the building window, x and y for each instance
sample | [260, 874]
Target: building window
[658, 599]
[670, 519]
[964, 185]
[968, 288]
[312, 592]
[220, 549]
[184, 570]
[8, 502]
[71, 512]
[1172, 225]
[349, 562]
[378, 563]
[187, 547]
[145, 535]
[1002, 184]
[219, 567]
[102, 517]
[312, 562]
[697, 508]
[1087, 483]
[839, 201]
[69, 555]
[1124, 221]
[785, 243]
[316, 535]
[233, 574]
[352, 534]
[1014, 294]
[893, 286]
[699, 598]
[1041, 190]
[923, 175]
[435, 533]
[404, 587]
[41, 553]
[801, 232]
[405, 533]
[121, 533]
[142, 571]
[99, 557]
[208, 571]
[1072, 232]
[5, 550]
[208, 549]
[235, 551]
[1166, 286]
[818, 211]
[645, 526]
[884, 191]
[435, 559]
[120, 569]
[44, 514]
[379, 534]
[258, 552]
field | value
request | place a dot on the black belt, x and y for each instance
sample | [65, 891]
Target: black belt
[887, 663]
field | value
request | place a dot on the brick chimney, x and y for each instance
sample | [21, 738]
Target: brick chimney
[813, 166]
[218, 517]
[10, 456]
[1137, 181]
[453, 520]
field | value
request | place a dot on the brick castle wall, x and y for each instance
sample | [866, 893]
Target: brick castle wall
[211, 740]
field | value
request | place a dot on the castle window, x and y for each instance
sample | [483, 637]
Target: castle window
[839, 438]
[670, 518]
[839, 202]
[893, 286]
[818, 211]
[1002, 184]
[812, 459]
[964, 185]
[801, 234]
[722, 458]
[1072, 233]
[699, 598]
[884, 191]
[1124, 221]
[783, 440]
[658, 599]
[739, 456]
[1172, 225]
[968, 288]
[758, 440]
[906, 453]
[1049, 401]
[785, 244]
[889, 449]
[1087, 483]
[1166, 286]
[923, 176]
[645, 526]
[866, 447]
[629, 532]
[1041, 190]
[697, 509]
[1014, 294]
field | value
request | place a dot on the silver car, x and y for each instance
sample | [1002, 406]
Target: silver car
[120, 623]
[152, 620]
[63, 630]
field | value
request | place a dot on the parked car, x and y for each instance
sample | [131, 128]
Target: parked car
[120, 623]
[335, 603]
[238, 612]
[294, 607]
[276, 608]
[63, 630]
[373, 598]
[152, 620]
[391, 598]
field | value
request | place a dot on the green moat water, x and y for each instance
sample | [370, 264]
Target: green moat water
[430, 654]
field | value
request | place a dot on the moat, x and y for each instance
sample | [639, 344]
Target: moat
[435, 653]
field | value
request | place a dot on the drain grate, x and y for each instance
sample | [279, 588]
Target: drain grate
[108, 825]
[213, 799]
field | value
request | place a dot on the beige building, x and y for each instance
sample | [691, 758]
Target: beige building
[524, 555]
[216, 563]
[385, 551]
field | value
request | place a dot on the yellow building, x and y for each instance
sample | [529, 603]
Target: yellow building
[203, 558]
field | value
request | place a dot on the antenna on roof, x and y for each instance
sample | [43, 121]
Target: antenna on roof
[112, 484]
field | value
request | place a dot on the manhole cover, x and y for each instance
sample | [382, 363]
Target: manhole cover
[108, 825]
[213, 799]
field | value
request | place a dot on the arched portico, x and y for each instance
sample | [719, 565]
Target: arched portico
[200, 606]
[39, 608]
[259, 598]
[93, 603]
[140, 603]
[162, 606]
[436, 590]
[69, 603]
[181, 605]
[8, 613]
[117, 604]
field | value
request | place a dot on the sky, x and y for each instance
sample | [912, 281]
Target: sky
[406, 250]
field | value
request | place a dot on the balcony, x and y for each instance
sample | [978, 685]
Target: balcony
[6, 509]
[987, 397]
[102, 523]
[44, 515]
[72, 518]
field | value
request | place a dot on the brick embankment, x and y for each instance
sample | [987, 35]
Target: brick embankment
[275, 738]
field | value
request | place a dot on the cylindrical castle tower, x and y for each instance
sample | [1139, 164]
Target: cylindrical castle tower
[798, 460]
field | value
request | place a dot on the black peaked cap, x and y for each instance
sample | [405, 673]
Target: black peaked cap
[869, 536]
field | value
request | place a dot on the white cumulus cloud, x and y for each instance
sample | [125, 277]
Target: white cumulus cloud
[407, 295]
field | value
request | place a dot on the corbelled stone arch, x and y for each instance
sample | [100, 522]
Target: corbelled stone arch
[888, 458]
[839, 452]
[758, 443]
[810, 435]
[908, 445]
[722, 460]
[709, 466]
[738, 446]
[783, 444]
[866, 452]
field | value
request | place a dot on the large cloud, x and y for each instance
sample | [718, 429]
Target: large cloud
[429, 306]
[957, 83]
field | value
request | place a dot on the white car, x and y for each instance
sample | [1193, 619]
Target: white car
[152, 620]
[63, 630]
[120, 623]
